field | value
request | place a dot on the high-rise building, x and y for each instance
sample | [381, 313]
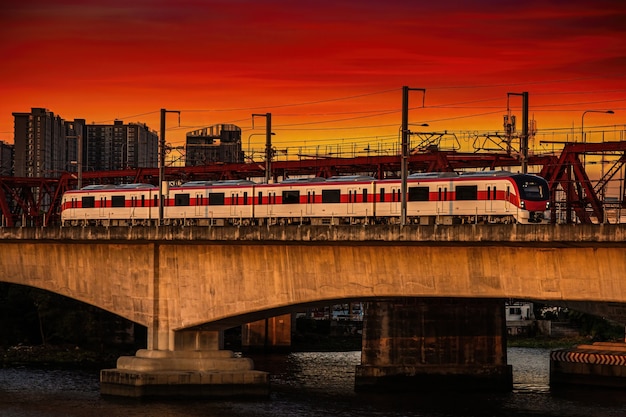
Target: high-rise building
[6, 159]
[75, 142]
[120, 146]
[39, 144]
[46, 145]
[217, 143]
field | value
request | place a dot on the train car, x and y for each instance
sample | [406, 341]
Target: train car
[336, 200]
[210, 203]
[115, 205]
[442, 198]
[480, 197]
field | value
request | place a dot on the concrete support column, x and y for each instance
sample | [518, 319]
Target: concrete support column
[272, 334]
[427, 343]
[187, 340]
[197, 367]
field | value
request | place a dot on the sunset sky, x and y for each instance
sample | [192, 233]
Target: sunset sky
[328, 71]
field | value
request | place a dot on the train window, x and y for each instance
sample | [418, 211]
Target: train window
[88, 202]
[534, 191]
[156, 201]
[466, 192]
[143, 201]
[245, 198]
[291, 197]
[216, 199]
[494, 193]
[382, 195]
[118, 201]
[181, 199]
[331, 196]
[260, 198]
[418, 194]
[365, 195]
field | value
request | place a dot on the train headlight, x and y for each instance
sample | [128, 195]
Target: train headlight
[547, 205]
[522, 204]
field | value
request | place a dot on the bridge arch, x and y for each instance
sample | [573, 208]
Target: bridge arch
[178, 278]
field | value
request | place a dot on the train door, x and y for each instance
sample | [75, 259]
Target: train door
[490, 201]
[442, 198]
[310, 200]
[198, 205]
[396, 200]
[352, 193]
[507, 199]
[133, 206]
[102, 211]
[72, 211]
[271, 202]
[234, 204]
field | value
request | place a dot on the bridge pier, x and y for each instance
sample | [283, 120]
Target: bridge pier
[196, 367]
[416, 343]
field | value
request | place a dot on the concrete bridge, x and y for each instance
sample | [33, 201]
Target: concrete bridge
[186, 283]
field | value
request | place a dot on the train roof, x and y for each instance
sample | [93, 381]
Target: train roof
[197, 183]
[351, 178]
[298, 180]
[134, 186]
[495, 173]
[420, 175]
[206, 183]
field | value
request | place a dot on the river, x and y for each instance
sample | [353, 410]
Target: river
[308, 385]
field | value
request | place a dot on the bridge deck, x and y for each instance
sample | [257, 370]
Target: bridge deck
[517, 235]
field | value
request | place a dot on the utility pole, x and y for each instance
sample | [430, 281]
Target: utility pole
[523, 143]
[162, 160]
[268, 144]
[404, 167]
[79, 157]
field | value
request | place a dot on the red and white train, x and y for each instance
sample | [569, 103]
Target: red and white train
[443, 198]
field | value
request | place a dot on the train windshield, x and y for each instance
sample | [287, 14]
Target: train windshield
[533, 188]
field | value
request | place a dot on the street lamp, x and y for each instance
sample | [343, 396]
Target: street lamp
[582, 127]
[582, 121]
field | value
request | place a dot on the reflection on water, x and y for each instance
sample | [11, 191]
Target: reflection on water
[310, 384]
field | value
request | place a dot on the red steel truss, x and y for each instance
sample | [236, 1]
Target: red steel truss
[35, 201]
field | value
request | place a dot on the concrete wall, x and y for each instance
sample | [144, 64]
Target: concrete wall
[175, 278]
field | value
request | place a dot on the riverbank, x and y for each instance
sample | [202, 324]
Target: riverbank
[59, 356]
[75, 357]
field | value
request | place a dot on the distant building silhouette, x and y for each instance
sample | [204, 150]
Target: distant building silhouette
[6, 159]
[46, 145]
[217, 143]
[39, 144]
[120, 146]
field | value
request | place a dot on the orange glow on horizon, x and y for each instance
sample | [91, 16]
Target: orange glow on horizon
[329, 72]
